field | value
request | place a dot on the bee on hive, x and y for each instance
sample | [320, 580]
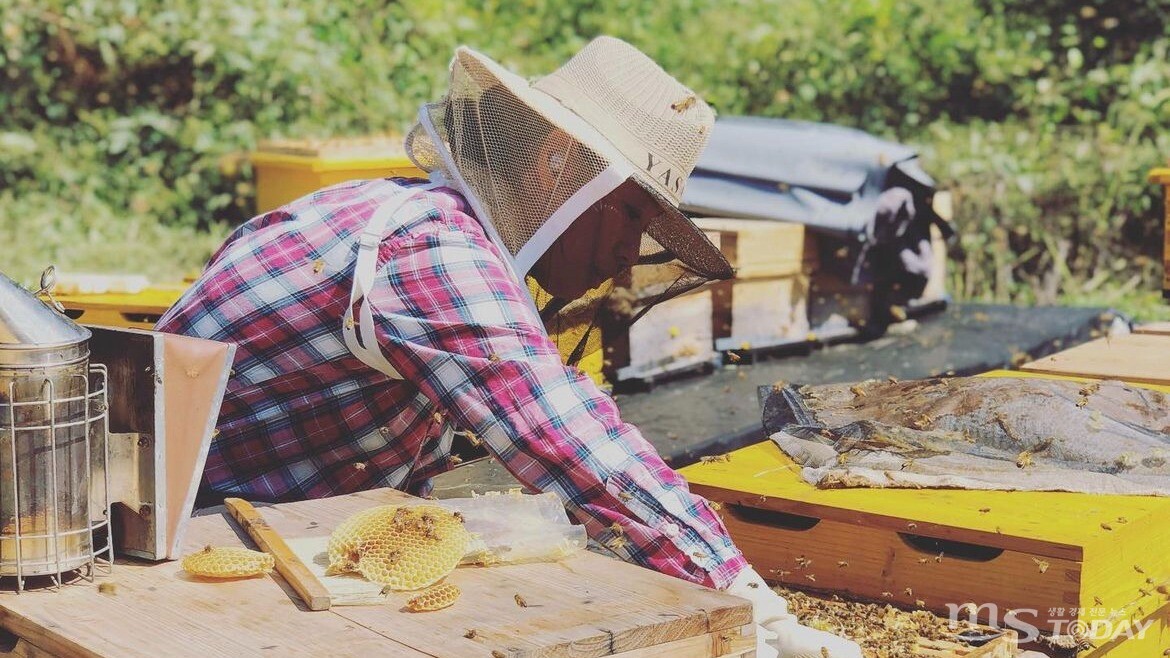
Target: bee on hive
[228, 562]
[401, 547]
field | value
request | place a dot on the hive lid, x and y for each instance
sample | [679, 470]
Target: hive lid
[27, 322]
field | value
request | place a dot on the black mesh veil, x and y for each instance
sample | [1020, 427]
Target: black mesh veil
[519, 160]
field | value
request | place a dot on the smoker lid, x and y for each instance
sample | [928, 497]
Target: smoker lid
[27, 322]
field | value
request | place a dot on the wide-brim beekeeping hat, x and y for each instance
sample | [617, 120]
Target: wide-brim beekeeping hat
[532, 157]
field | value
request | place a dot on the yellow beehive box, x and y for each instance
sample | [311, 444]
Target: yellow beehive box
[134, 310]
[289, 169]
[1060, 561]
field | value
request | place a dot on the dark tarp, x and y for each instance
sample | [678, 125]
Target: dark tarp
[826, 177]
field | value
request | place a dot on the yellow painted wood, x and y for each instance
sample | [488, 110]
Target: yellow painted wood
[1094, 544]
[288, 565]
[138, 310]
[1060, 523]
[1107, 553]
[155, 299]
[289, 169]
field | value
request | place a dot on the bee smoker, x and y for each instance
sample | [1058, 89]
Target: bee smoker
[54, 489]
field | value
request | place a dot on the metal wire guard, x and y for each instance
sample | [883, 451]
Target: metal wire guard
[55, 551]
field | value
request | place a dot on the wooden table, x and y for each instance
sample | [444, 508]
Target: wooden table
[587, 605]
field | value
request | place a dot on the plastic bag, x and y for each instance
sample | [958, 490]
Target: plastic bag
[512, 527]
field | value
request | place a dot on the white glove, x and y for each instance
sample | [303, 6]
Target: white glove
[778, 633]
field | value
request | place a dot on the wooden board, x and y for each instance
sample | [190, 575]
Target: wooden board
[761, 248]
[587, 605]
[674, 335]
[1156, 328]
[760, 313]
[1139, 358]
[1055, 553]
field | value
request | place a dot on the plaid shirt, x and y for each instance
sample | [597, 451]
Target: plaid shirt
[303, 417]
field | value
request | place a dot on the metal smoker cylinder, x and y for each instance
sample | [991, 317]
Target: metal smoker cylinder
[53, 433]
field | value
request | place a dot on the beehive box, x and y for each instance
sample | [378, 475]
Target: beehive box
[1057, 559]
[765, 305]
[754, 314]
[761, 248]
[673, 336]
[289, 169]
[138, 310]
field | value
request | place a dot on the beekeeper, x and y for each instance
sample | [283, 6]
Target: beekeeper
[375, 319]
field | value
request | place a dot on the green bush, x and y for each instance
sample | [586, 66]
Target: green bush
[122, 125]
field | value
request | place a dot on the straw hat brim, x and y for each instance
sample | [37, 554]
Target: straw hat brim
[676, 233]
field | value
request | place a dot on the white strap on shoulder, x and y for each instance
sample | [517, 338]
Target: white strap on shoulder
[364, 346]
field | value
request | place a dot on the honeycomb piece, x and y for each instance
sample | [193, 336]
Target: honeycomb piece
[433, 598]
[403, 547]
[228, 562]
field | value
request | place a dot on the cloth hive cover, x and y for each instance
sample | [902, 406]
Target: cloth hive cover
[977, 433]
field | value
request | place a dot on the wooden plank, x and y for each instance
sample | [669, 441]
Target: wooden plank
[759, 313]
[158, 611]
[761, 248]
[672, 336]
[722, 644]
[1139, 358]
[1155, 328]
[311, 591]
[585, 606]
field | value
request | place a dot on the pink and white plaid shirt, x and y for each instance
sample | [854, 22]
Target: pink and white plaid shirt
[304, 418]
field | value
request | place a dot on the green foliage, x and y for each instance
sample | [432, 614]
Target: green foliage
[125, 122]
